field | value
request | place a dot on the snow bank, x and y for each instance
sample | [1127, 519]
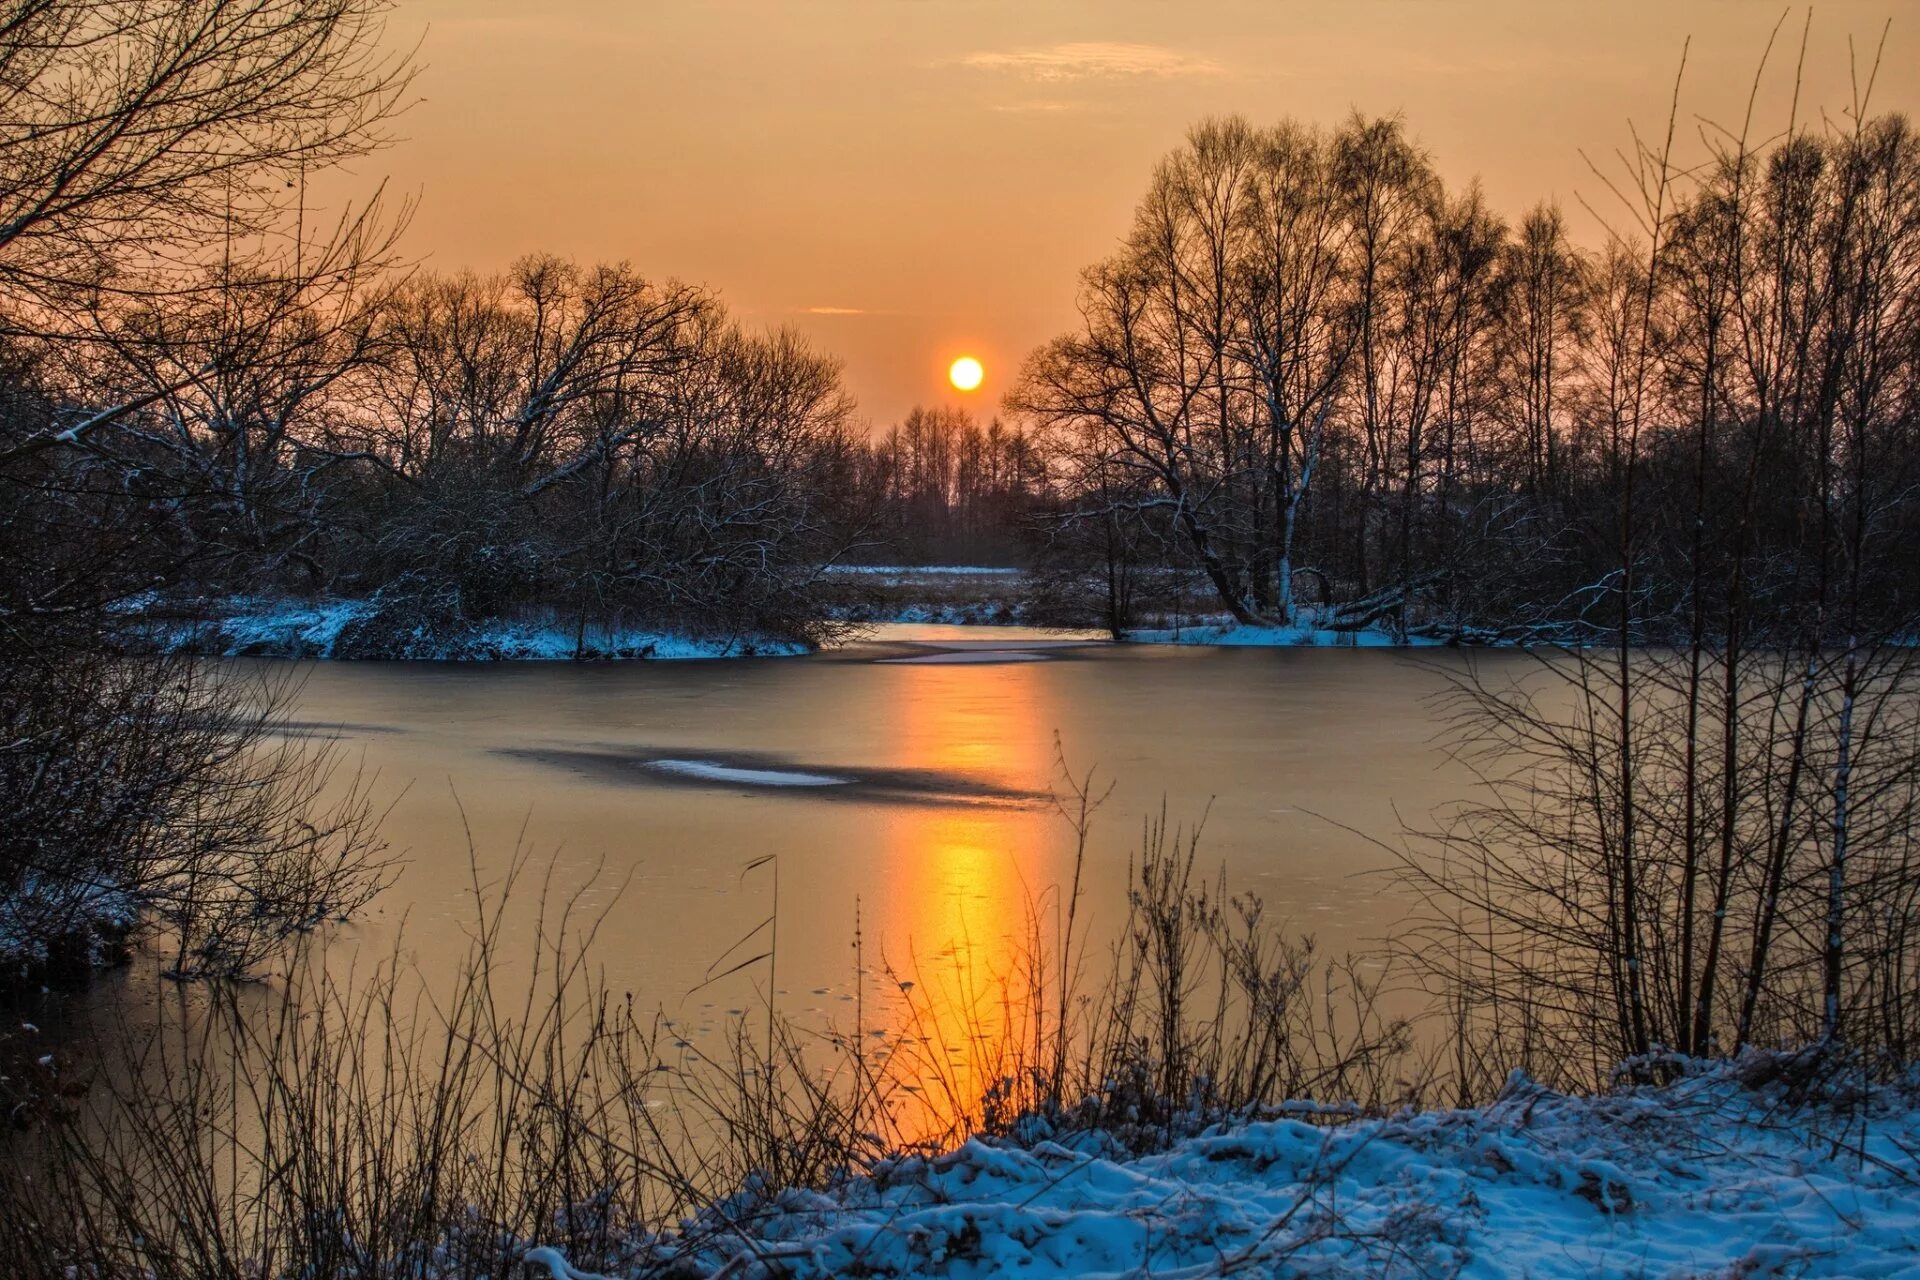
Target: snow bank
[924, 570]
[280, 628]
[1228, 635]
[316, 630]
[42, 914]
[1704, 1177]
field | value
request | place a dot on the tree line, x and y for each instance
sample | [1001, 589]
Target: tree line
[1323, 379]
[1347, 396]
[951, 491]
[454, 447]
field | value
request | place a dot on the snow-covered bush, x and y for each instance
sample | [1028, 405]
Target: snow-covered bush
[158, 793]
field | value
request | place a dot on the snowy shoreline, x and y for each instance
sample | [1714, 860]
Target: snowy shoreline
[267, 627]
[1229, 635]
[337, 628]
[1721, 1173]
[983, 596]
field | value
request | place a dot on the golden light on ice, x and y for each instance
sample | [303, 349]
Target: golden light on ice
[966, 373]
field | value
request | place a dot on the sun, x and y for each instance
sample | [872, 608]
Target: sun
[966, 373]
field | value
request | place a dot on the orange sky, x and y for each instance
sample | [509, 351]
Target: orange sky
[905, 180]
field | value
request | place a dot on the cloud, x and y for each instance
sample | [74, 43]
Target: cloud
[1036, 107]
[834, 311]
[1094, 60]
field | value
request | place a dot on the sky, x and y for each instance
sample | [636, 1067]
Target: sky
[905, 181]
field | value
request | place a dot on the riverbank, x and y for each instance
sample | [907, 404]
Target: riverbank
[1168, 608]
[944, 595]
[1732, 1170]
[852, 598]
[1232, 635]
[333, 627]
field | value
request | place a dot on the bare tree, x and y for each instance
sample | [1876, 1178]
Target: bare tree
[168, 326]
[1708, 846]
[143, 133]
[595, 442]
[1212, 350]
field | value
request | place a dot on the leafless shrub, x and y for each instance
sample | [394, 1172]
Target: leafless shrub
[1702, 847]
[155, 794]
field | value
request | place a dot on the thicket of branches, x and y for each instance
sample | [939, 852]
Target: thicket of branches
[213, 388]
[153, 794]
[580, 440]
[153, 155]
[1326, 380]
[209, 389]
[1709, 844]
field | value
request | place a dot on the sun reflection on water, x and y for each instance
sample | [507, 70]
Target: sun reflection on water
[956, 920]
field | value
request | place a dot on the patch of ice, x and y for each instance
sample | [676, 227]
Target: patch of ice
[709, 771]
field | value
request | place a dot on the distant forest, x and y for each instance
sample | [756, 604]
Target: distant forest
[955, 492]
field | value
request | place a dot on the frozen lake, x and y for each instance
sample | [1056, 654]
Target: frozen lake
[905, 778]
[908, 774]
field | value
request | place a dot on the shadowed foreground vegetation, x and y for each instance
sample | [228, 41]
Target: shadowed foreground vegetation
[373, 1128]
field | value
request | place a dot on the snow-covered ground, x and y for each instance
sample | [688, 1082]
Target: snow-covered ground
[925, 570]
[282, 628]
[977, 596]
[1708, 1176]
[952, 594]
[40, 908]
[1231, 635]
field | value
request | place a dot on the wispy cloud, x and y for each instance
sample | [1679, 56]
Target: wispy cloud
[1094, 60]
[834, 311]
[1046, 106]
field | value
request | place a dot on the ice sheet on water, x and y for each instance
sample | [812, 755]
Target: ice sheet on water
[681, 766]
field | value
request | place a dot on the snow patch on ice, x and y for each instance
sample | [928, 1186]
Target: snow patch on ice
[710, 771]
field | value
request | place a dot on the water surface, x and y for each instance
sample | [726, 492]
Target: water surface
[890, 778]
[903, 786]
